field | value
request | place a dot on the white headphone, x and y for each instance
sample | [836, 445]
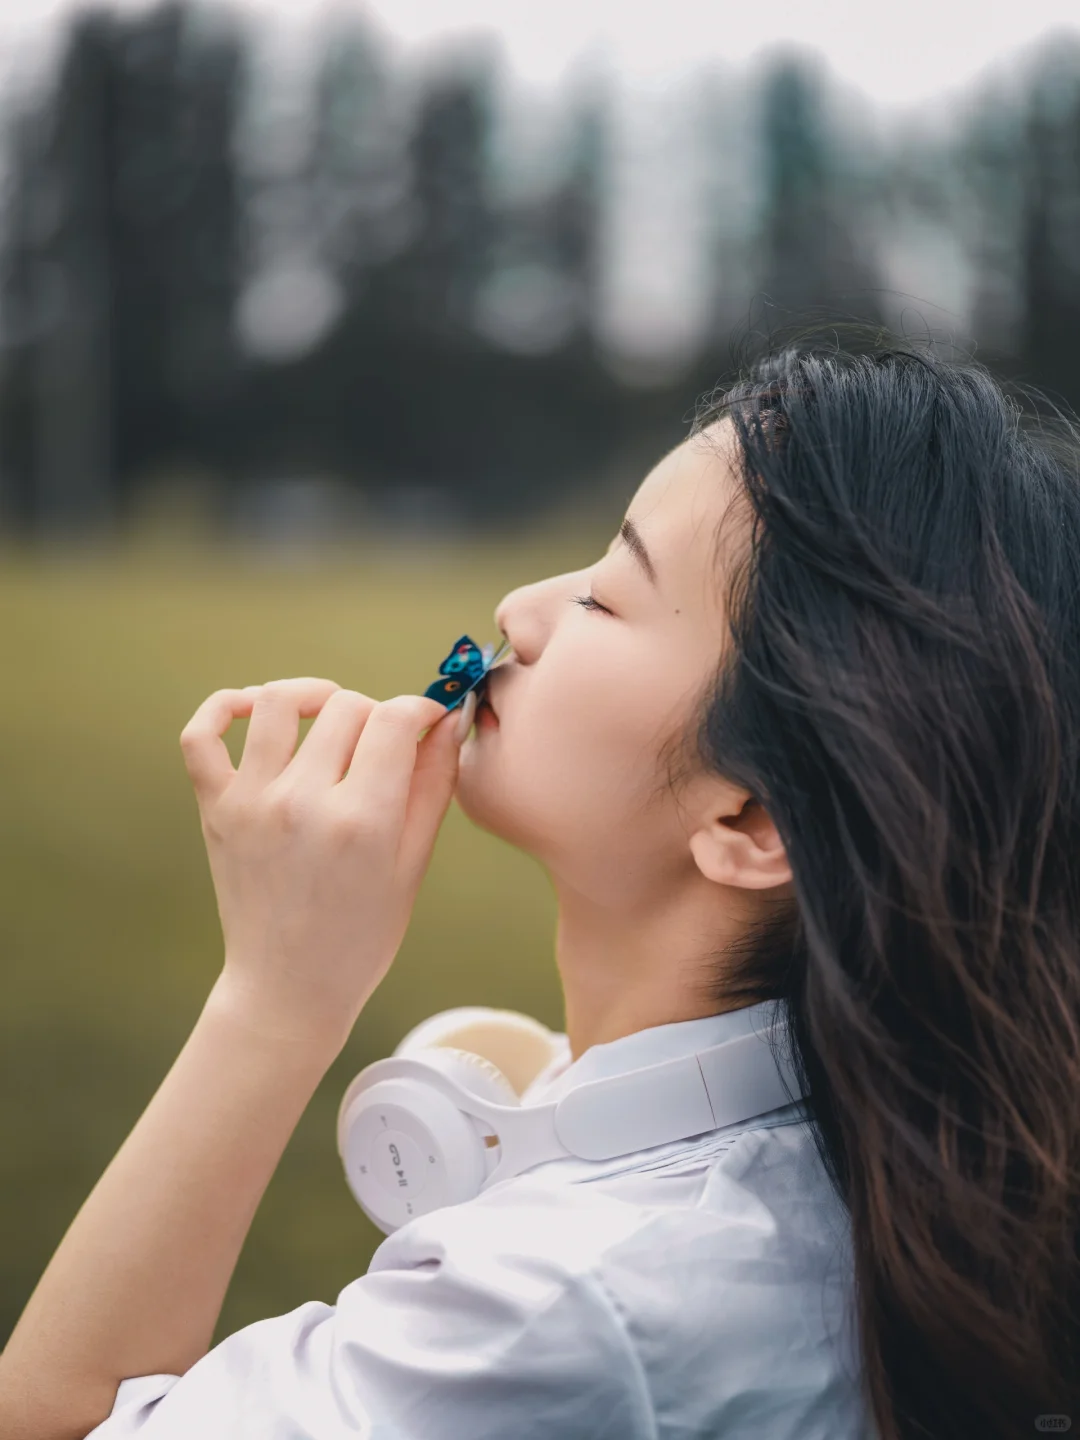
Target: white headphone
[442, 1119]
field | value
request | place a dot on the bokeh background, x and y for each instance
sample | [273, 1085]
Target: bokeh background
[321, 326]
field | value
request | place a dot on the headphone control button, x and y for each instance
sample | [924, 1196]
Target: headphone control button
[398, 1163]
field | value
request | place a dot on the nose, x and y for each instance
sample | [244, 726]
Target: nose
[519, 616]
[511, 616]
[528, 614]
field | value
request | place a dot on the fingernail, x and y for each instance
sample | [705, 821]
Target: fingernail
[465, 719]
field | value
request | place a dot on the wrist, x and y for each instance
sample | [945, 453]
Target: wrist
[297, 1038]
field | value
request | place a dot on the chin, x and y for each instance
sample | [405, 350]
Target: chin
[485, 798]
[473, 789]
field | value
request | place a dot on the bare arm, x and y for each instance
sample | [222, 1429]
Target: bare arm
[137, 1283]
[317, 857]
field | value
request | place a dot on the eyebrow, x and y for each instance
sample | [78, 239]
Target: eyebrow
[629, 532]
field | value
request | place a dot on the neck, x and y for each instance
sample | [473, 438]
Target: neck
[624, 969]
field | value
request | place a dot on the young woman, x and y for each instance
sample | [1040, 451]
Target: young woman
[806, 736]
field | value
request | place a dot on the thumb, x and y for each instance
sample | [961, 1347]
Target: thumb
[433, 784]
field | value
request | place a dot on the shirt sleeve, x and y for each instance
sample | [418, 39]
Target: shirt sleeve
[460, 1328]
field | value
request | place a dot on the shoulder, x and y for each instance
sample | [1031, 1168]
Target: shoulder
[738, 1295]
[714, 1274]
[488, 1319]
[540, 1222]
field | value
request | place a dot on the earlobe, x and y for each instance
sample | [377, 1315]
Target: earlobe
[743, 850]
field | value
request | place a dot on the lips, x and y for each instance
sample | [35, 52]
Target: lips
[487, 690]
[484, 700]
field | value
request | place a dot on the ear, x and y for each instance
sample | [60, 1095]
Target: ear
[743, 849]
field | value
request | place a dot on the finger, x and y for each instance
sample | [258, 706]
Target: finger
[328, 747]
[382, 766]
[275, 725]
[205, 753]
[433, 784]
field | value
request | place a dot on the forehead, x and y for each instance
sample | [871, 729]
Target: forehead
[683, 501]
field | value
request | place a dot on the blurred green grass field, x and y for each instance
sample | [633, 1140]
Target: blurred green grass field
[110, 936]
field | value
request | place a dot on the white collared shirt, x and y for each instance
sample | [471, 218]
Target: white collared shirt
[697, 1290]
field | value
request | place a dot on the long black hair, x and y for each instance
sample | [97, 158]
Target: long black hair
[902, 695]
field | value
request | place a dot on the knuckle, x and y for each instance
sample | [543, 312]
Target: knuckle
[218, 698]
[348, 699]
[191, 737]
[307, 682]
[340, 826]
[349, 827]
[294, 691]
[397, 712]
[288, 808]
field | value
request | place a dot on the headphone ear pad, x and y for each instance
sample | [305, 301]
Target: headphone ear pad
[516, 1044]
[475, 1074]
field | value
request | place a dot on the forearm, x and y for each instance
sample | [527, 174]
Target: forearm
[137, 1283]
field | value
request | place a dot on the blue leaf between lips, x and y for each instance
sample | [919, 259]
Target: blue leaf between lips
[464, 669]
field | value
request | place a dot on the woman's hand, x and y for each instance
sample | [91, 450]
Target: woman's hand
[316, 870]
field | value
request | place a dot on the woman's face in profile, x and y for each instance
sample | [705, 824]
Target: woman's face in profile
[571, 773]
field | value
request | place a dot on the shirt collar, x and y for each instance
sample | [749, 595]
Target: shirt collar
[647, 1047]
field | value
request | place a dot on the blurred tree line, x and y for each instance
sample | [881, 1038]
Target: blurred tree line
[181, 292]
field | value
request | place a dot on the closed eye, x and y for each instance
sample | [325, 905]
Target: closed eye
[588, 603]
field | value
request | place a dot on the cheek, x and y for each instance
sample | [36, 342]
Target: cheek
[579, 714]
[565, 765]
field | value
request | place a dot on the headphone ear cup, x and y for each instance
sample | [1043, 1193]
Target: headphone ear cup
[482, 1079]
[516, 1044]
[406, 1147]
[477, 1075]
[440, 1029]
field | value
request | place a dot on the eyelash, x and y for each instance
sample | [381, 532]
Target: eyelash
[588, 603]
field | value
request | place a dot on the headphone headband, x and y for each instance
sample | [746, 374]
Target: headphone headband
[740, 1078]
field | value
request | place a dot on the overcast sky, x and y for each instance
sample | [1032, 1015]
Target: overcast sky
[899, 52]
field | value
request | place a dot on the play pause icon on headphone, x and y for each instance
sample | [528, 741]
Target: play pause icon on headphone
[398, 1161]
